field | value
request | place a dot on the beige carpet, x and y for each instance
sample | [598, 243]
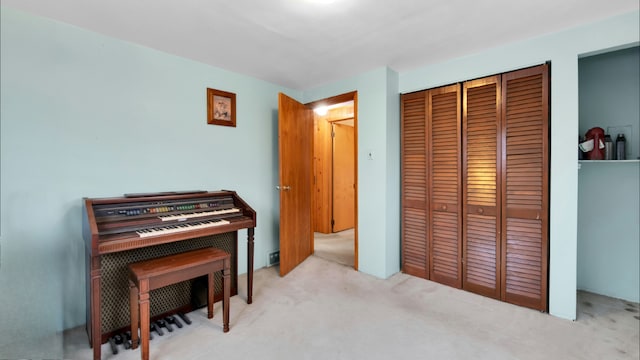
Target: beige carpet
[323, 310]
[337, 247]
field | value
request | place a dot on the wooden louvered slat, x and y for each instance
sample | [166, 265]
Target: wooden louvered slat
[414, 185]
[481, 192]
[481, 255]
[414, 242]
[483, 211]
[444, 146]
[525, 187]
[524, 277]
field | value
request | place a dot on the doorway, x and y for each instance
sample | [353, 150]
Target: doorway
[335, 179]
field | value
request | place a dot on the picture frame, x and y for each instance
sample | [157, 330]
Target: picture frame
[221, 108]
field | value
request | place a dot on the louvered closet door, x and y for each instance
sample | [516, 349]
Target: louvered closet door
[414, 185]
[525, 182]
[481, 186]
[445, 231]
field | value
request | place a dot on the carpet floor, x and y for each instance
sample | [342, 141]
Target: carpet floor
[324, 310]
[337, 247]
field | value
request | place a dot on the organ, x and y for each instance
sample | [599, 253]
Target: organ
[121, 230]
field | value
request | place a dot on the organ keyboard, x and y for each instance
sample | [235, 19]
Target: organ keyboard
[181, 227]
[129, 224]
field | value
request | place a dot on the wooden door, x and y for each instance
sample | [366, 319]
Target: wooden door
[525, 186]
[415, 254]
[343, 178]
[481, 186]
[295, 145]
[445, 203]
[322, 175]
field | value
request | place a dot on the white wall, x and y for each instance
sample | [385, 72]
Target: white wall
[87, 115]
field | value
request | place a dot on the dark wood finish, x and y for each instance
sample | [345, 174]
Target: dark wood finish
[295, 144]
[482, 224]
[212, 118]
[152, 274]
[413, 128]
[525, 186]
[322, 151]
[444, 169]
[106, 234]
[481, 136]
[343, 172]
[335, 100]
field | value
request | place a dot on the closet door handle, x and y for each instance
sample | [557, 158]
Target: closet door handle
[480, 211]
[283, 188]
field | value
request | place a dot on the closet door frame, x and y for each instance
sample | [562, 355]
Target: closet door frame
[418, 230]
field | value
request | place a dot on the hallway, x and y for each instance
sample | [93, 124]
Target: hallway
[337, 247]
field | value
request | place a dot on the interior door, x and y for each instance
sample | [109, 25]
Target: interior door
[343, 178]
[295, 145]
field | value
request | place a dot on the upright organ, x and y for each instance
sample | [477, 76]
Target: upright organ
[136, 227]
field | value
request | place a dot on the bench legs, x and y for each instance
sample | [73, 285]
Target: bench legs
[140, 313]
[210, 290]
[135, 316]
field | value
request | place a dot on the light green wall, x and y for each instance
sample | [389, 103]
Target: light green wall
[87, 115]
[562, 49]
[609, 193]
[378, 178]
[392, 205]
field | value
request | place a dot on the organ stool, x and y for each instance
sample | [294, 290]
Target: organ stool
[152, 274]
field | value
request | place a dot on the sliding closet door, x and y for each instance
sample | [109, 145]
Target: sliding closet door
[525, 186]
[414, 185]
[443, 144]
[481, 186]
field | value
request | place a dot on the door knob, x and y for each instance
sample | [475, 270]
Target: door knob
[283, 188]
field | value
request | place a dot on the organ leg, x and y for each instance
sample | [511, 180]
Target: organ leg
[250, 265]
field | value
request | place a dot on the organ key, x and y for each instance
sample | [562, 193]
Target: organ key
[198, 214]
[181, 227]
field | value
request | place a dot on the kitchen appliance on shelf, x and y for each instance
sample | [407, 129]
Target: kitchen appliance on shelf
[593, 146]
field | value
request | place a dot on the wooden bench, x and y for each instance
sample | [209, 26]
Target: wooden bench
[152, 274]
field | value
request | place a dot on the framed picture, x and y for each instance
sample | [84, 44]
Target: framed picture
[221, 108]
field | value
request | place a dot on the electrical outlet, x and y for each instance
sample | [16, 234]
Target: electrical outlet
[274, 258]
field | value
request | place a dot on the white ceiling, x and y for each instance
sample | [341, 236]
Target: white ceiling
[300, 44]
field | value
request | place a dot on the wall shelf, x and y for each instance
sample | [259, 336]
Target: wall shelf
[610, 161]
[580, 162]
